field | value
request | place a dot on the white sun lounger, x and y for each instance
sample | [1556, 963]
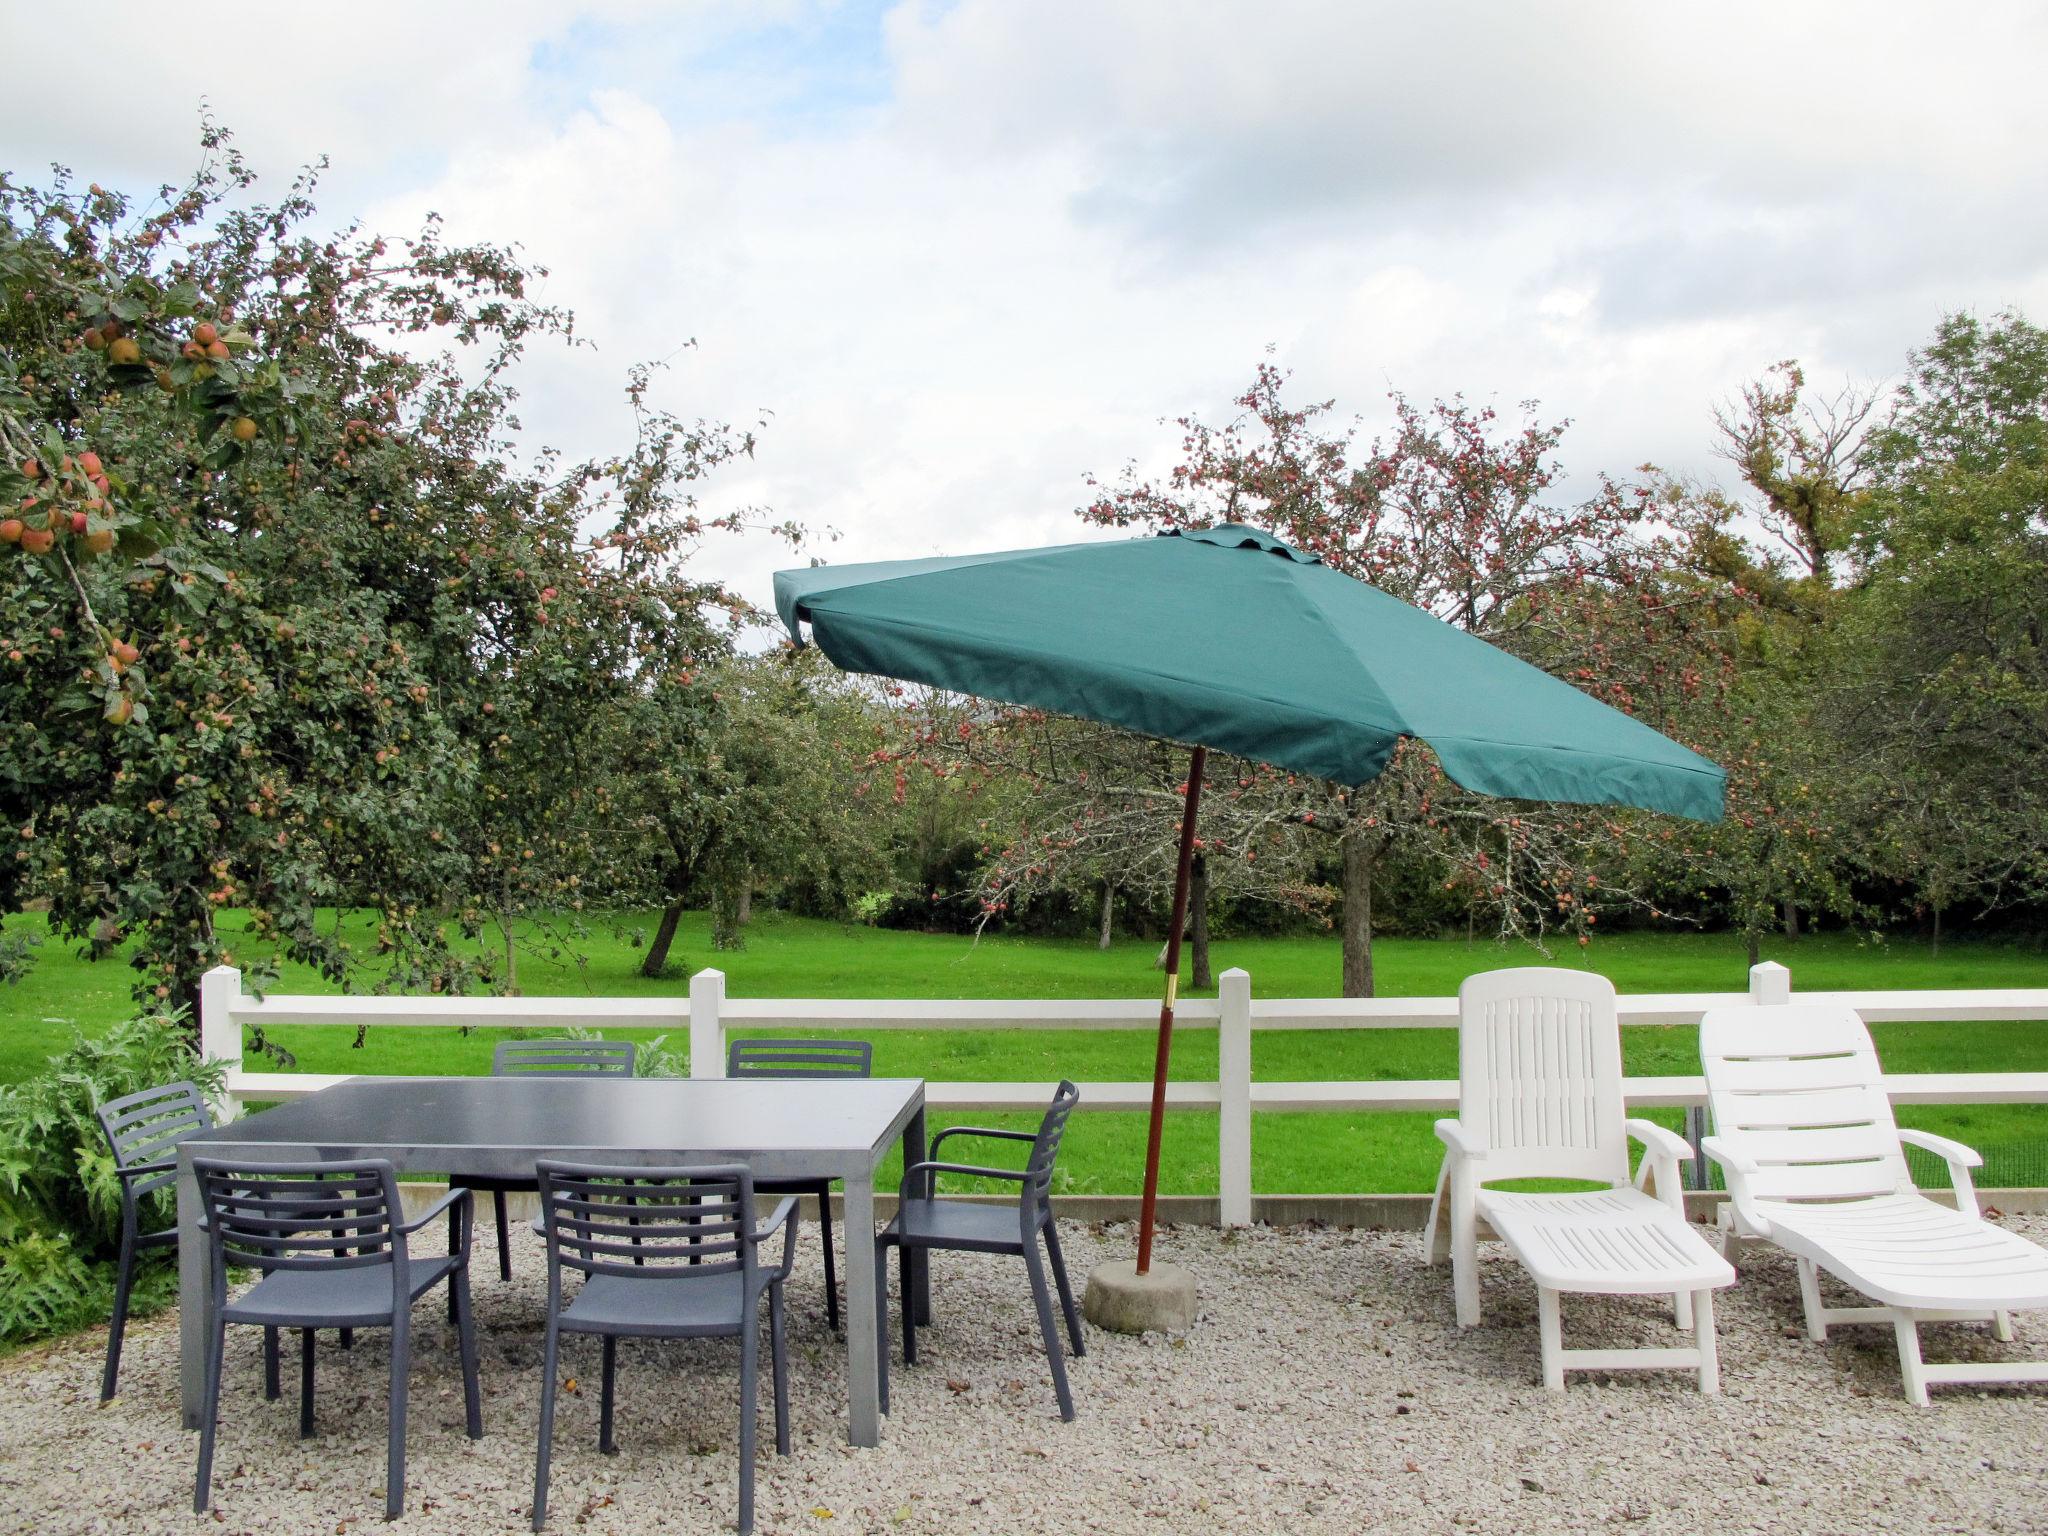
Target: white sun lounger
[1539, 1096]
[1803, 1130]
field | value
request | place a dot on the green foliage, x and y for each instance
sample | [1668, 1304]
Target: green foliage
[308, 625]
[56, 1174]
[46, 1286]
[60, 1201]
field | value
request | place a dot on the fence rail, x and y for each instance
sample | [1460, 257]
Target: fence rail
[226, 1011]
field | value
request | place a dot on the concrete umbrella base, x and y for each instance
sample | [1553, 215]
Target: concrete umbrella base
[1123, 1301]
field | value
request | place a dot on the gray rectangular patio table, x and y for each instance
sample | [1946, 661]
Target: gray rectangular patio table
[496, 1127]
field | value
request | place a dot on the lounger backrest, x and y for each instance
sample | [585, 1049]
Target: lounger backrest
[1539, 1074]
[1796, 1088]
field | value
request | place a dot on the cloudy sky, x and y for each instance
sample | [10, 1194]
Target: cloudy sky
[967, 253]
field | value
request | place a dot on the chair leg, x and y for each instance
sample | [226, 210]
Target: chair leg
[750, 1352]
[1707, 1342]
[882, 1325]
[2001, 1327]
[273, 1387]
[1550, 1330]
[504, 1234]
[550, 1354]
[348, 1338]
[904, 1265]
[831, 1268]
[465, 1343]
[202, 1490]
[394, 1444]
[117, 1329]
[1055, 1356]
[305, 1383]
[1908, 1332]
[1059, 1276]
[605, 1444]
[778, 1358]
[1434, 1230]
[1464, 1251]
[1809, 1296]
[1681, 1309]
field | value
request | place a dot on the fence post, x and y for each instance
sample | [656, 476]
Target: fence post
[1234, 1080]
[1769, 983]
[707, 1028]
[220, 1032]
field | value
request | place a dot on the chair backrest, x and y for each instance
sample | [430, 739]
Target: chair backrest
[146, 1127]
[1797, 1089]
[1045, 1149]
[563, 1058]
[285, 1216]
[1539, 1074]
[799, 1058]
[645, 1223]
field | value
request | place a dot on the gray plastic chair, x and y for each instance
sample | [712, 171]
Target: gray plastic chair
[665, 1253]
[804, 1059]
[924, 1223]
[554, 1058]
[143, 1131]
[332, 1251]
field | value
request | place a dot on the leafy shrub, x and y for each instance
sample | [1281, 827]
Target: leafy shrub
[60, 1203]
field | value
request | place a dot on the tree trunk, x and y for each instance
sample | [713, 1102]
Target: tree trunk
[657, 952]
[1108, 914]
[511, 956]
[1791, 918]
[1198, 920]
[1937, 929]
[1359, 858]
[743, 913]
[1750, 937]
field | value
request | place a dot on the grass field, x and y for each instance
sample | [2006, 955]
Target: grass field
[794, 957]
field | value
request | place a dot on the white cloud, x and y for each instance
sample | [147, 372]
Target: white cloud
[966, 254]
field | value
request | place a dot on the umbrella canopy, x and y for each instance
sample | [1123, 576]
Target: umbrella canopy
[1229, 638]
[1226, 637]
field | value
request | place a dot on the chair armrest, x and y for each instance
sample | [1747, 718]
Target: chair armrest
[1948, 1151]
[1463, 1143]
[980, 1130]
[1737, 1168]
[1960, 1160]
[1664, 1151]
[445, 1204]
[910, 1173]
[785, 1217]
[448, 1203]
[139, 1170]
[1660, 1139]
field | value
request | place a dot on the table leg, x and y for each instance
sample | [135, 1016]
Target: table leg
[863, 1414]
[914, 1145]
[192, 1297]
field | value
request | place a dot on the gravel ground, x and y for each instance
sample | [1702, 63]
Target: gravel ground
[1326, 1388]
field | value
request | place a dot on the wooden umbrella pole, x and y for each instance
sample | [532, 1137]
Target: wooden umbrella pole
[1148, 1208]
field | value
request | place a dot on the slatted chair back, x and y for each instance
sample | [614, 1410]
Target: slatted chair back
[1539, 1074]
[1045, 1152]
[799, 1058]
[645, 1222]
[146, 1127]
[301, 1216]
[1797, 1089]
[563, 1058]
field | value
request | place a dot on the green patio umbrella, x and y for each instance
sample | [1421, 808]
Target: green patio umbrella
[1226, 637]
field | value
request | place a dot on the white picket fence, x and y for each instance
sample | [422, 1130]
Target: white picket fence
[226, 1012]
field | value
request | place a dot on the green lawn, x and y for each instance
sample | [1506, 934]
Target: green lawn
[793, 957]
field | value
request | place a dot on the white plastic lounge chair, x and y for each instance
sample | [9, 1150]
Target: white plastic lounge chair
[1803, 1130]
[1539, 1096]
